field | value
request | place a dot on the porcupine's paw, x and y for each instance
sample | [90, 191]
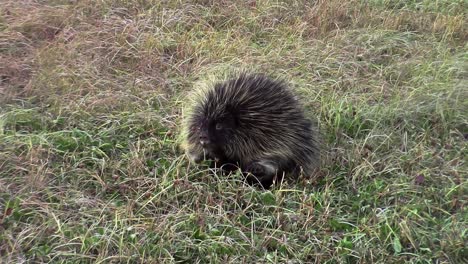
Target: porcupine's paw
[196, 157]
[261, 172]
[224, 166]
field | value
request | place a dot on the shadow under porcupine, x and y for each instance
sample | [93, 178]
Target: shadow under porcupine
[254, 123]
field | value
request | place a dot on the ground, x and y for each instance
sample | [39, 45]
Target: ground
[91, 94]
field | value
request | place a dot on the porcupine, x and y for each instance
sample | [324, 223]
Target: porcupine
[254, 123]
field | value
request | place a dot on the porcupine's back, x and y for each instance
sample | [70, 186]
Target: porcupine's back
[269, 122]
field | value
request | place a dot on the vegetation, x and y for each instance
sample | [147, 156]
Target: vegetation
[91, 94]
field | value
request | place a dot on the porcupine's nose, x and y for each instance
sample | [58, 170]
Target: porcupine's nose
[204, 141]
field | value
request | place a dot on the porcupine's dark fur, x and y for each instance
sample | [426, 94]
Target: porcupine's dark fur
[255, 123]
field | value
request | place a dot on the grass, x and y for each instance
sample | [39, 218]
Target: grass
[91, 94]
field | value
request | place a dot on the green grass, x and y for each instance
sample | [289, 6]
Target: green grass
[91, 94]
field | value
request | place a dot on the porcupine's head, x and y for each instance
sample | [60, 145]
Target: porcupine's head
[241, 118]
[211, 129]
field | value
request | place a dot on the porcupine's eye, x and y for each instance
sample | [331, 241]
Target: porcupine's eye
[219, 126]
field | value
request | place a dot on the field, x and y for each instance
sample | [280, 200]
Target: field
[91, 94]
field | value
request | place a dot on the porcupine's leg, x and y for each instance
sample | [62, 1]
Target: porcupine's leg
[223, 163]
[262, 172]
[195, 154]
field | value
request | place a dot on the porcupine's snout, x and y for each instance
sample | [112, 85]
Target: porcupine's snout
[204, 138]
[204, 141]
